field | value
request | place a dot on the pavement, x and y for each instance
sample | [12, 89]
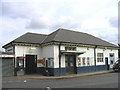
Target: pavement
[102, 80]
[37, 76]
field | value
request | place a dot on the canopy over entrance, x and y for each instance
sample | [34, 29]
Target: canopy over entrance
[72, 52]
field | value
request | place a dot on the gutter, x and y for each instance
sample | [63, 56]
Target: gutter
[15, 69]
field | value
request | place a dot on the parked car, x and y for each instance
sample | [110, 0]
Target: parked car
[116, 66]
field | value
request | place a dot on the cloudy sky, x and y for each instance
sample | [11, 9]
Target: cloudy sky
[96, 17]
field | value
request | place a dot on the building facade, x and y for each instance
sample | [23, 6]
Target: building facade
[61, 52]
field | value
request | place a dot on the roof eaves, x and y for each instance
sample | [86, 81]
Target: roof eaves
[7, 44]
[88, 44]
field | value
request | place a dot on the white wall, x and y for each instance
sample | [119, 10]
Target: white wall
[52, 51]
[56, 56]
[41, 52]
[88, 53]
[106, 53]
[24, 50]
[47, 51]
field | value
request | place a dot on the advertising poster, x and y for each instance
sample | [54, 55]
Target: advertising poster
[39, 63]
[50, 62]
[88, 61]
[79, 61]
[92, 60]
[83, 60]
[43, 62]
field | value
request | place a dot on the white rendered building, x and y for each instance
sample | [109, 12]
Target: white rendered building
[61, 52]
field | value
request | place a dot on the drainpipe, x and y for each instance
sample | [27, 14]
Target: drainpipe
[95, 56]
[15, 69]
[60, 58]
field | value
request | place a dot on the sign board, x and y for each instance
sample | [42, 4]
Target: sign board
[21, 57]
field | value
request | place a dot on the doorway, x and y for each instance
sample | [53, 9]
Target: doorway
[70, 64]
[112, 59]
[106, 63]
[31, 64]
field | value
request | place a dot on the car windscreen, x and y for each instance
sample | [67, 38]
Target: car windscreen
[118, 61]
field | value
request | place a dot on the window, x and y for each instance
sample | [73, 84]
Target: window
[66, 61]
[83, 59]
[99, 57]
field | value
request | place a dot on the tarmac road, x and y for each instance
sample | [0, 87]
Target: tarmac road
[108, 80]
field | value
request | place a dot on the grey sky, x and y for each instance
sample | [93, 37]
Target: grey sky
[95, 17]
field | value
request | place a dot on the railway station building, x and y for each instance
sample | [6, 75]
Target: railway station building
[61, 52]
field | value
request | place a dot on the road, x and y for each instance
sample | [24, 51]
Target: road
[109, 80]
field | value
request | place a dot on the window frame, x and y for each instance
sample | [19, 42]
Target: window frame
[100, 57]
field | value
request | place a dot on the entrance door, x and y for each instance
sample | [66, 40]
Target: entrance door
[31, 64]
[70, 64]
[112, 57]
[106, 63]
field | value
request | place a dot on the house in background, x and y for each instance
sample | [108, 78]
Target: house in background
[61, 52]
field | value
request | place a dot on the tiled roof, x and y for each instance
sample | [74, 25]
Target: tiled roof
[63, 35]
